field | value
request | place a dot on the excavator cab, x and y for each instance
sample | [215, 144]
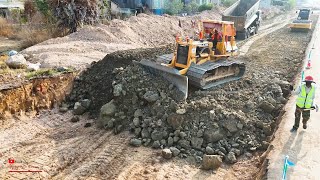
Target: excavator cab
[198, 62]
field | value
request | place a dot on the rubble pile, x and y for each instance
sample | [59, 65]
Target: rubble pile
[95, 83]
[235, 119]
[228, 122]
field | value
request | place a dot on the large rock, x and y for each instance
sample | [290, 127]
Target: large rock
[145, 133]
[78, 109]
[231, 158]
[166, 153]
[135, 142]
[85, 103]
[108, 109]
[209, 150]
[170, 141]
[117, 90]
[267, 130]
[156, 144]
[212, 114]
[136, 122]
[196, 142]
[184, 144]
[156, 135]
[211, 162]
[175, 151]
[231, 126]
[106, 113]
[267, 107]
[181, 111]
[17, 61]
[151, 96]
[138, 113]
[213, 136]
[175, 120]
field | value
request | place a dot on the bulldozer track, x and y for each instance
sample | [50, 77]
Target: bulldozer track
[61, 149]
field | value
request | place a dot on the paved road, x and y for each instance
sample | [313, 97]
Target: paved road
[303, 147]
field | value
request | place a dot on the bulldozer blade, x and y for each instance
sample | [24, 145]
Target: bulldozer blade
[170, 74]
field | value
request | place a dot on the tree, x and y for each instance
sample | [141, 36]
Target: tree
[204, 7]
[173, 6]
[228, 3]
[192, 7]
[74, 13]
[291, 4]
[29, 9]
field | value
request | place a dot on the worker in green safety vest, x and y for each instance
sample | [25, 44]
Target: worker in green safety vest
[305, 102]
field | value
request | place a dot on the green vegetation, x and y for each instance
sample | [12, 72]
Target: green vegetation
[173, 7]
[192, 7]
[228, 3]
[291, 4]
[41, 73]
[204, 7]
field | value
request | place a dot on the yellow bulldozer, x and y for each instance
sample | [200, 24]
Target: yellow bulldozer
[303, 22]
[204, 61]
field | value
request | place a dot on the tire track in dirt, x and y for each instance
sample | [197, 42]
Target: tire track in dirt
[61, 149]
[279, 22]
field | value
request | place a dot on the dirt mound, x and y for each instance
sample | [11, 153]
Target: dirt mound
[95, 83]
[93, 43]
[235, 119]
[232, 120]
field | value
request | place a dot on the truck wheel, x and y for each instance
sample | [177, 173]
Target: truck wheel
[247, 34]
[256, 30]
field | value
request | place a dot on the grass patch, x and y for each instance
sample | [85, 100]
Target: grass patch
[41, 73]
[6, 29]
[31, 36]
[3, 64]
[47, 72]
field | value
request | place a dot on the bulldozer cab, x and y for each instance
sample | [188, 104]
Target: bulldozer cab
[304, 14]
[217, 41]
[198, 61]
[223, 36]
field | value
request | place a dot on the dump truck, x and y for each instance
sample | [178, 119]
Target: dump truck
[203, 62]
[246, 17]
[303, 22]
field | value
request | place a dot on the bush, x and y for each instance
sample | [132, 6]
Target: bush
[173, 7]
[31, 36]
[6, 29]
[192, 7]
[29, 9]
[291, 4]
[204, 7]
[71, 15]
[228, 3]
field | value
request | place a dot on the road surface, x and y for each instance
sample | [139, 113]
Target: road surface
[303, 146]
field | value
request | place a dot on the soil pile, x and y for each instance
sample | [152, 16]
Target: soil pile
[93, 43]
[235, 119]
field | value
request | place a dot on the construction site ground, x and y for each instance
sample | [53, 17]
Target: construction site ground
[49, 142]
[302, 147]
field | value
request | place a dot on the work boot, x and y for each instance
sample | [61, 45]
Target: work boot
[305, 126]
[294, 129]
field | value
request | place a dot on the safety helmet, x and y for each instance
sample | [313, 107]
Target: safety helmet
[309, 78]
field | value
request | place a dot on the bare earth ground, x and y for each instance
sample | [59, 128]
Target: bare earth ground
[93, 43]
[64, 150]
[61, 149]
